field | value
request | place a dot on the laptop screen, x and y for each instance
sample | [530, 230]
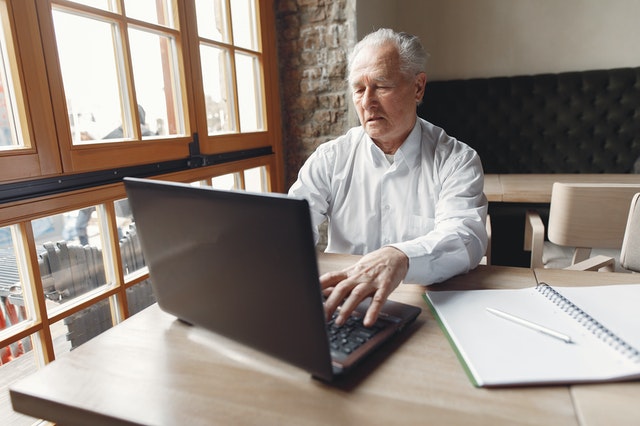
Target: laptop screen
[240, 264]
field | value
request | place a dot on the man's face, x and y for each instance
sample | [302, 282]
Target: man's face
[384, 98]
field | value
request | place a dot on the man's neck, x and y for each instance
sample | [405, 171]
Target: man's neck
[390, 147]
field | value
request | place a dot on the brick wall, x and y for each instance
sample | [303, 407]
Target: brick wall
[314, 39]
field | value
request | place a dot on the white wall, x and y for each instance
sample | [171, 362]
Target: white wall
[375, 14]
[483, 38]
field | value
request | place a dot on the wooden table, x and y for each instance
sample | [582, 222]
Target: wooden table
[493, 187]
[536, 188]
[530, 191]
[607, 403]
[152, 369]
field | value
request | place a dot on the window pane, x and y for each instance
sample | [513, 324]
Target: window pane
[13, 309]
[89, 59]
[216, 80]
[152, 11]
[11, 371]
[17, 360]
[249, 93]
[81, 327]
[227, 182]
[130, 250]
[255, 179]
[101, 4]
[71, 261]
[140, 296]
[10, 131]
[212, 20]
[155, 75]
[200, 183]
[243, 16]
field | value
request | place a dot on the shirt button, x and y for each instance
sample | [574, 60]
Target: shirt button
[387, 207]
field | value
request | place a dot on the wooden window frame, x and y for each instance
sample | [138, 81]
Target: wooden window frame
[52, 152]
[51, 157]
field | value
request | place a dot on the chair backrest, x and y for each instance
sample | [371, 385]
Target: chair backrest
[630, 254]
[589, 214]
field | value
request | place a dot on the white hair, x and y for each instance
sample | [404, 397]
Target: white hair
[413, 57]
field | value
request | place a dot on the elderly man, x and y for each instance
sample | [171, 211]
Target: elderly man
[396, 189]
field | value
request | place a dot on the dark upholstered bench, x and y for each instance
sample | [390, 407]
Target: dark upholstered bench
[572, 122]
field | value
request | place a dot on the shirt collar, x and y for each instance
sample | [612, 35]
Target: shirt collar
[407, 153]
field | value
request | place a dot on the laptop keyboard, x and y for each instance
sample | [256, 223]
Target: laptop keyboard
[345, 339]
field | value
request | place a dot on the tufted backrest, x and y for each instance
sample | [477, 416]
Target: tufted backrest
[573, 122]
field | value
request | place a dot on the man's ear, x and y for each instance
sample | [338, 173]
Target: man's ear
[420, 84]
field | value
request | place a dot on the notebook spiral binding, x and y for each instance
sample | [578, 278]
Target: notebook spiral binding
[590, 323]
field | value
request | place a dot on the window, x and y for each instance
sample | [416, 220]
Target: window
[98, 86]
[230, 65]
[96, 75]
[118, 80]
[127, 82]
[11, 136]
[88, 271]
[234, 63]
[25, 105]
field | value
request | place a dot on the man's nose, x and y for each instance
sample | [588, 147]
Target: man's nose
[369, 98]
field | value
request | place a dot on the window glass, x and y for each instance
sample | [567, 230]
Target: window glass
[10, 130]
[231, 73]
[227, 182]
[71, 259]
[91, 73]
[249, 92]
[153, 11]
[13, 308]
[245, 32]
[140, 296]
[216, 80]
[130, 249]
[212, 20]
[13, 369]
[82, 326]
[157, 89]
[255, 179]
[110, 5]
[17, 360]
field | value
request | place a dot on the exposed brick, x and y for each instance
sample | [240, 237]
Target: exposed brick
[286, 6]
[290, 28]
[310, 3]
[314, 37]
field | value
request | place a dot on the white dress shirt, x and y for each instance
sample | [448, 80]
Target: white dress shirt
[428, 203]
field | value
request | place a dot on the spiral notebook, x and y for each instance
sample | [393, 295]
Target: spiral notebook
[603, 323]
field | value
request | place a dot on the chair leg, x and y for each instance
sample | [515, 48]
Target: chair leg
[580, 254]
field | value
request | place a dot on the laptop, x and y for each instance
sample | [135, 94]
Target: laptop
[244, 265]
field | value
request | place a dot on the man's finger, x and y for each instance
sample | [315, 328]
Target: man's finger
[331, 279]
[377, 301]
[340, 291]
[352, 300]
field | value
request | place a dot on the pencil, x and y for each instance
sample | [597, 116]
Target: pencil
[531, 325]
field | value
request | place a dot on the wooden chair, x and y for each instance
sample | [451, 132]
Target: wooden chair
[582, 217]
[487, 255]
[630, 253]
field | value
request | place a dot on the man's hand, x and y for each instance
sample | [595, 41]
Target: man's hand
[376, 274]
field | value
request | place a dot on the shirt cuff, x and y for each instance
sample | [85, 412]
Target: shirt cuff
[416, 272]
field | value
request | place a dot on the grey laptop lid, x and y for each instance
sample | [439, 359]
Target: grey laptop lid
[240, 264]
